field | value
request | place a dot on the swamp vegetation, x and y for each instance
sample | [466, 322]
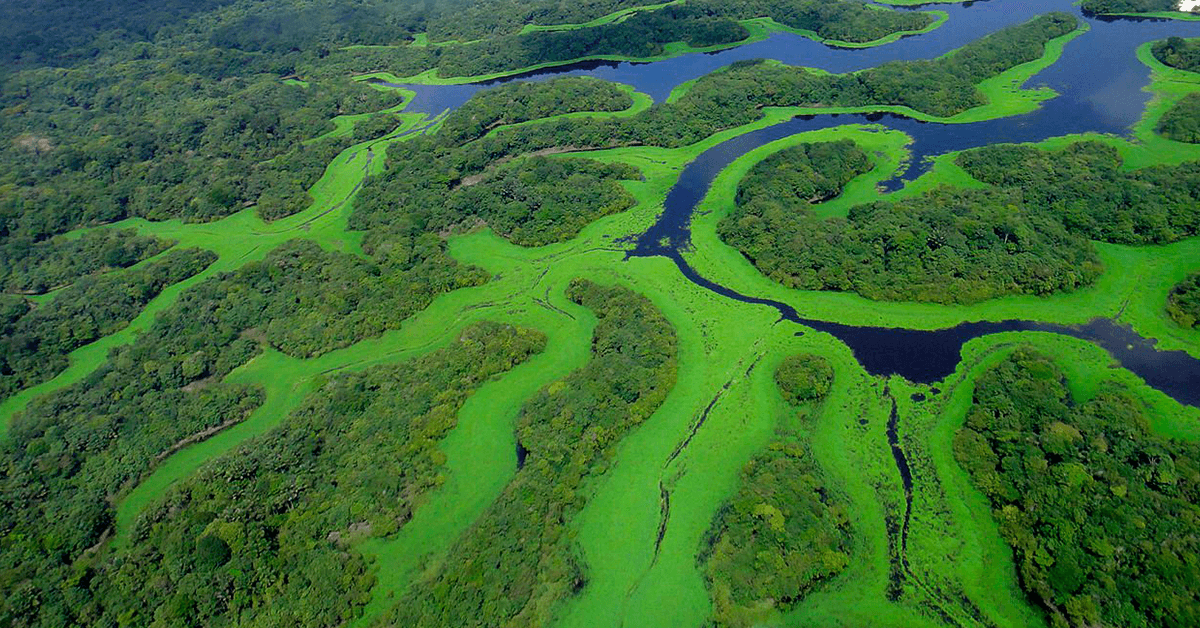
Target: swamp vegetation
[277, 350]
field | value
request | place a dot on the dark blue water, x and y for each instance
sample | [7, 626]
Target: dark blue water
[1100, 85]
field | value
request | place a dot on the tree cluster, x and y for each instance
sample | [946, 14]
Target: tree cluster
[1101, 513]
[34, 345]
[514, 103]
[1109, 7]
[1182, 121]
[1178, 52]
[1183, 303]
[518, 560]
[459, 177]
[804, 378]
[1027, 234]
[1085, 187]
[265, 535]
[37, 268]
[946, 246]
[784, 531]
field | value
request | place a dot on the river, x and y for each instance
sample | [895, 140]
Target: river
[1100, 84]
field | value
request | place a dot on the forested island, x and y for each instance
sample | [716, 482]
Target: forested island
[433, 314]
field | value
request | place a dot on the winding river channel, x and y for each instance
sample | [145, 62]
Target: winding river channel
[1100, 84]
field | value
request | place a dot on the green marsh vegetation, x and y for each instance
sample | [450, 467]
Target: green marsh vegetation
[684, 381]
[516, 562]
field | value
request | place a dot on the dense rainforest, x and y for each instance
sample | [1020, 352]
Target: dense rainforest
[1183, 304]
[1026, 234]
[279, 517]
[63, 32]
[73, 451]
[226, 112]
[1100, 511]
[34, 345]
[29, 268]
[784, 531]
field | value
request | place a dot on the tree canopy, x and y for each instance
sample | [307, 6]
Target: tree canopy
[1100, 511]
[1183, 303]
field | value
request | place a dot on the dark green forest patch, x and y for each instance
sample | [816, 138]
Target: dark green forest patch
[784, 532]
[1182, 121]
[132, 144]
[1085, 187]
[1027, 234]
[946, 246]
[456, 178]
[1110, 7]
[521, 102]
[265, 534]
[532, 201]
[73, 452]
[793, 178]
[540, 201]
[804, 378]
[34, 347]
[518, 560]
[37, 268]
[1183, 304]
[1178, 52]
[1101, 513]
